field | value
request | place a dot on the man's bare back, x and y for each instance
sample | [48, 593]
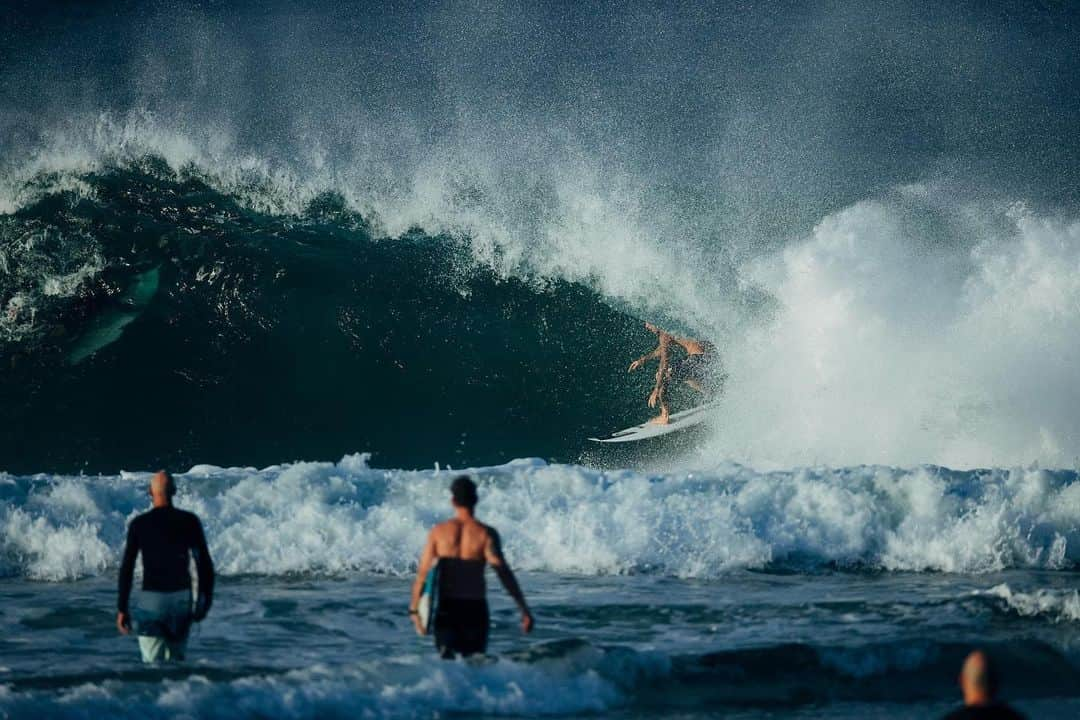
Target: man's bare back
[464, 549]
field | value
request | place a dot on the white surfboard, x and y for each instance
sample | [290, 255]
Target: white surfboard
[679, 421]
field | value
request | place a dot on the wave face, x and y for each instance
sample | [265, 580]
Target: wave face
[313, 517]
[324, 221]
[155, 321]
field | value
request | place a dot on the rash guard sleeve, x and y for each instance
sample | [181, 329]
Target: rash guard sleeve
[204, 565]
[127, 568]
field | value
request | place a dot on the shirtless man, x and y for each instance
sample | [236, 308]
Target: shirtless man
[696, 369]
[464, 546]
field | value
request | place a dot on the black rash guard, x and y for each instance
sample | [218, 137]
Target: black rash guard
[165, 535]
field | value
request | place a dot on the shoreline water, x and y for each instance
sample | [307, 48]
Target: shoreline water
[748, 644]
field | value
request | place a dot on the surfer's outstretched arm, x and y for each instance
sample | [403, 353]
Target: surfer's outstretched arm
[494, 557]
[644, 359]
[661, 347]
[427, 557]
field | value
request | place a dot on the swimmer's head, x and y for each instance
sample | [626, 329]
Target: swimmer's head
[463, 492]
[978, 679]
[162, 487]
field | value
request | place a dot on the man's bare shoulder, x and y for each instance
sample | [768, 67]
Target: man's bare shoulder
[492, 540]
[447, 528]
[447, 531]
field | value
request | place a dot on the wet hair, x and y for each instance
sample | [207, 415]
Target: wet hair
[464, 491]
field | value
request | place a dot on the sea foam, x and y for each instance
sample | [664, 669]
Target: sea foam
[911, 328]
[1056, 605]
[347, 516]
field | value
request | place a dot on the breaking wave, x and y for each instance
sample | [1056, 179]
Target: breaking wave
[917, 326]
[333, 518]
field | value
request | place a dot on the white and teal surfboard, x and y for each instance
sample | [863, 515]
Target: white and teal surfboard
[429, 599]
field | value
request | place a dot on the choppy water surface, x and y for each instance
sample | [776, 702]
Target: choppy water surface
[749, 644]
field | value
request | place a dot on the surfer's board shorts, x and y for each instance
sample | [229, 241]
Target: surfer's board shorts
[461, 626]
[702, 368]
[162, 622]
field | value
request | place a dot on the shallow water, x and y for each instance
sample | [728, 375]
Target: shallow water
[749, 644]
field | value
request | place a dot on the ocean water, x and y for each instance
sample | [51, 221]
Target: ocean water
[813, 593]
[317, 257]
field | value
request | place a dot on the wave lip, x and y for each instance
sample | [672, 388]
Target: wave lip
[340, 517]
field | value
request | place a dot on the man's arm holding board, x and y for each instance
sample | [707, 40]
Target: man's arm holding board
[427, 557]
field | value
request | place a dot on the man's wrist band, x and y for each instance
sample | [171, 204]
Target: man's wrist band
[413, 612]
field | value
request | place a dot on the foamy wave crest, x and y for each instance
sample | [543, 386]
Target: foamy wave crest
[909, 329]
[81, 145]
[584, 680]
[1054, 605]
[332, 518]
[525, 207]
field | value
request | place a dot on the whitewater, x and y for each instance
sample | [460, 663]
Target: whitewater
[331, 518]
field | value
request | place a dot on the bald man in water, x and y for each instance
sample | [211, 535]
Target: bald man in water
[979, 683]
[167, 538]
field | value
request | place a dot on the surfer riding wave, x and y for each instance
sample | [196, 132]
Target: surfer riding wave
[699, 369]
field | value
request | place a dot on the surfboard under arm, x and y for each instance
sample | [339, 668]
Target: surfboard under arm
[429, 599]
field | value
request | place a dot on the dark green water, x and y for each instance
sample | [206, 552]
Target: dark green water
[214, 333]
